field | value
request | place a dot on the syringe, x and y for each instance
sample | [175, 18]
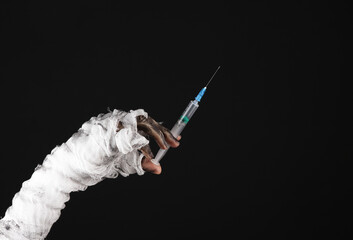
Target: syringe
[184, 119]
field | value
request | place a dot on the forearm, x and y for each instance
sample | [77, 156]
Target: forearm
[95, 152]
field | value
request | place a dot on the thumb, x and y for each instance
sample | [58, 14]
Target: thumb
[149, 166]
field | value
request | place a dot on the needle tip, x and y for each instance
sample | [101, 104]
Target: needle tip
[213, 75]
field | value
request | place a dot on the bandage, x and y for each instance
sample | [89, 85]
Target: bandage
[97, 151]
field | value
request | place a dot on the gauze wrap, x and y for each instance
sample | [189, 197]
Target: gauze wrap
[95, 152]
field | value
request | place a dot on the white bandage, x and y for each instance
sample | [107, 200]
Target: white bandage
[95, 152]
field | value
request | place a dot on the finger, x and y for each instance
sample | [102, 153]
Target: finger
[142, 133]
[150, 127]
[149, 166]
[154, 130]
[158, 136]
[179, 137]
[167, 135]
[161, 134]
[170, 139]
[147, 152]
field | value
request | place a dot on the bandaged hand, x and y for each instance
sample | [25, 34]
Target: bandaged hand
[106, 146]
[148, 127]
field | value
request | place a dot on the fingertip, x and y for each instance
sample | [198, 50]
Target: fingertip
[175, 144]
[157, 171]
[151, 167]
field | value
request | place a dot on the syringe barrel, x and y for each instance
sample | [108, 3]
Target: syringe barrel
[178, 127]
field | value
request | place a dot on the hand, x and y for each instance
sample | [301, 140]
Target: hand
[149, 127]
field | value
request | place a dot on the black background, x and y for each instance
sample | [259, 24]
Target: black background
[264, 156]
